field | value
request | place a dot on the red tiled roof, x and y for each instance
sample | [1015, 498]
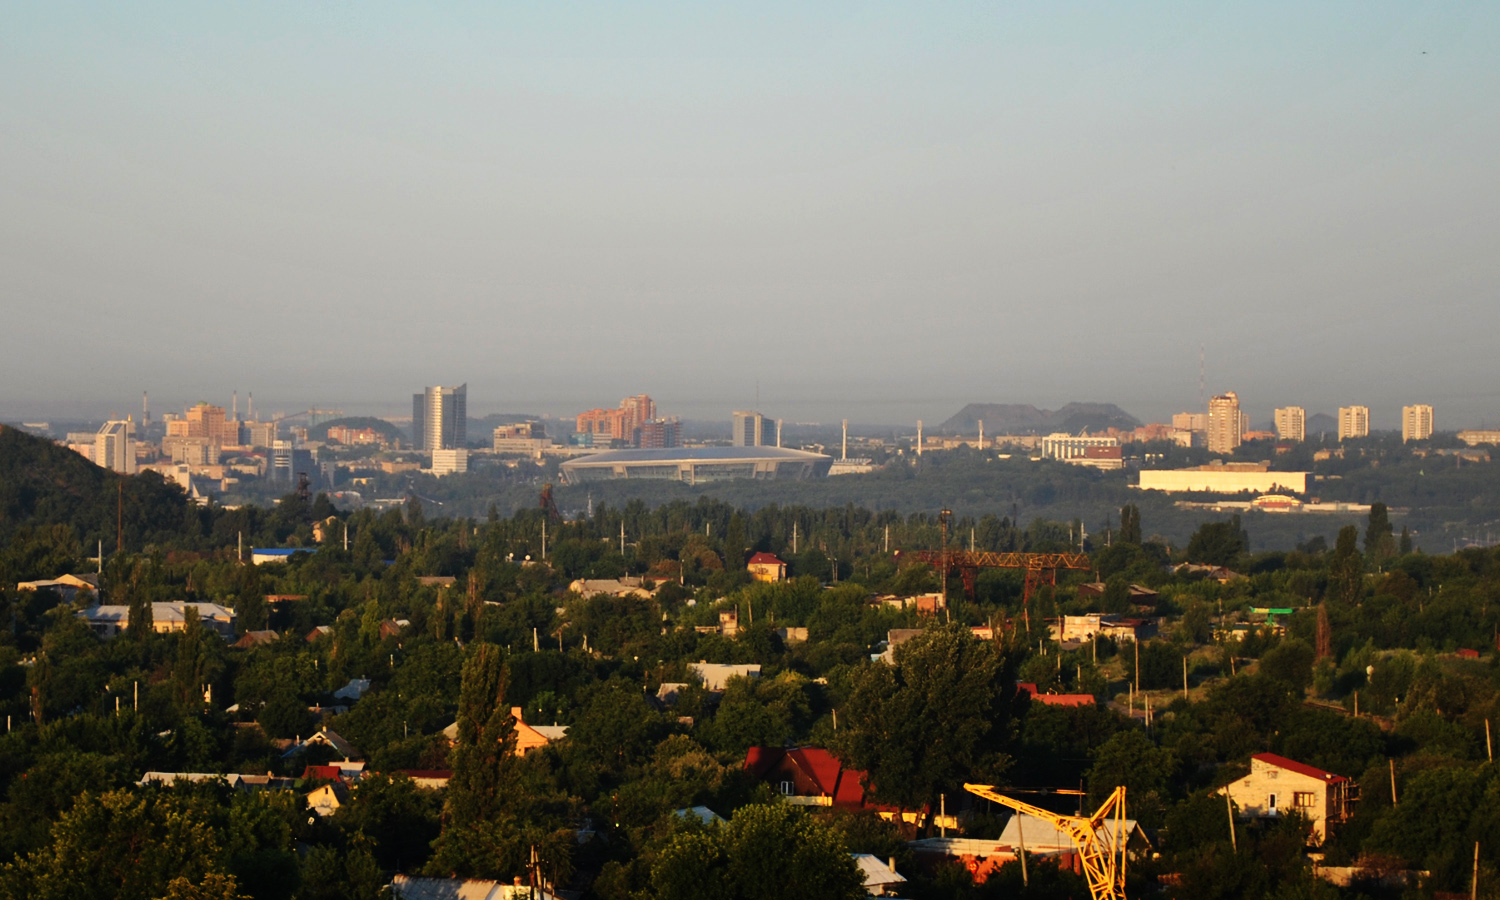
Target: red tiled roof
[1291, 765]
[764, 559]
[1056, 699]
[845, 786]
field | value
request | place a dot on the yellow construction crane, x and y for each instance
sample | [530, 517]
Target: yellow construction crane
[1102, 858]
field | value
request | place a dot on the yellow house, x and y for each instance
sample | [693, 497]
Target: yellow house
[766, 567]
[1277, 786]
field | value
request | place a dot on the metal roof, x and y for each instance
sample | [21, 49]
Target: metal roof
[695, 454]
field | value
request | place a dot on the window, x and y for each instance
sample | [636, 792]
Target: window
[787, 788]
[1304, 800]
[1271, 803]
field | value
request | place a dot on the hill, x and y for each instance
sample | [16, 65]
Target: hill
[1023, 418]
[390, 432]
[43, 484]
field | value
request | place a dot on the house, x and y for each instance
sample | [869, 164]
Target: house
[1085, 627]
[431, 779]
[234, 780]
[437, 581]
[262, 555]
[1218, 573]
[716, 675]
[610, 587]
[325, 737]
[729, 622]
[701, 813]
[65, 586]
[1129, 629]
[392, 627]
[408, 887]
[881, 878]
[108, 621]
[766, 567]
[666, 695]
[1041, 836]
[792, 634]
[256, 639]
[356, 688]
[530, 737]
[807, 776]
[1277, 785]
[346, 772]
[318, 632]
[1055, 699]
[326, 800]
[1139, 595]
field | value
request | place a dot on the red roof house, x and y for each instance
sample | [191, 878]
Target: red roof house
[1055, 699]
[766, 567]
[808, 776]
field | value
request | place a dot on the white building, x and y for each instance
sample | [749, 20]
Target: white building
[1067, 447]
[1277, 786]
[747, 429]
[114, 446]
[1354, 422]
[1291, 423]
[1416, 423]
[450, 462]
[109, 620]
[440, 418]
[1233, 478]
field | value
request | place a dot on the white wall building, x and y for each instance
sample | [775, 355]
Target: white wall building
[1291, 423]
[1416, 423]
[1354, 422]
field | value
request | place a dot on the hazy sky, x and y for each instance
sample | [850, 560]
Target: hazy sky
[874, 211]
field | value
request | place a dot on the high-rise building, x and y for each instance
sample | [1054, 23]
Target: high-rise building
[658, 434]
[1416, 423]
[1291, 423]
[1225, 423]
[1354, 422]
[617, 424]
[1186, 421]
[208, 421]
[114, 446]
[747, 429]
[440, 418]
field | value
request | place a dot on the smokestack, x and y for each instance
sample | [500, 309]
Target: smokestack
[234, 409]
[145, 409]
[844, 453]
[778, 434]
[250, 412]
[919, 437]
[981, 434]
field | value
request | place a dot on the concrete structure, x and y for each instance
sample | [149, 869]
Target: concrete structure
[1226, 425]
[1277, 785]
[766, 567]
[746, 429]
[1475, 437]
[1291, 423]
[1354, 422]
[697, 464]
[440, 418]
[1416, 423]
[450, 462]
[108, 621]
[114, 446]
[1228, 478]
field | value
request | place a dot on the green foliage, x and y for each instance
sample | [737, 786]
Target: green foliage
[766, 852]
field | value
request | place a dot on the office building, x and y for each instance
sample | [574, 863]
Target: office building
[1416, 423]
[288, 461]
[1083, 450]
[208, 421]
[658, 434]
[1185, 421]
[1291, 423]
[114, 446]
[747, 429]
[453, 461]
[1354, 422]
[440, 418]
[1226, 424]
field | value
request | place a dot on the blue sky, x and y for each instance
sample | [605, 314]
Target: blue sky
[874, 211]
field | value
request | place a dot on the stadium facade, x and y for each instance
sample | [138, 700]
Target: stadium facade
[697, 465]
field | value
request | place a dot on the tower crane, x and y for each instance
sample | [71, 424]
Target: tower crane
[1103, 861]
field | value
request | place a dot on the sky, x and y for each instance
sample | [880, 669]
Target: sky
[873, 211]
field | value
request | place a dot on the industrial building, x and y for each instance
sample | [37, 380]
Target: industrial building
[695, 465]
[1228, 478]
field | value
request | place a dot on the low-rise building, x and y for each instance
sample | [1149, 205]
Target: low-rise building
[1277, 786]
[108, 621]
[716, 675]
[1224, 478]
[766, 567]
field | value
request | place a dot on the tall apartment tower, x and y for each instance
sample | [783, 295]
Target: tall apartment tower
[1354, 422]
[1225, 424]
[747, 429]
[440, 418]
[114, 446]
[1291, 423]
[1416, 423]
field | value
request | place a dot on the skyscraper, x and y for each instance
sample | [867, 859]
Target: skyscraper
[1291, 423]
[114, 446]
[747, 429]
[1416, 423]
[440, 418]
[1354, 422]
[1225, 425]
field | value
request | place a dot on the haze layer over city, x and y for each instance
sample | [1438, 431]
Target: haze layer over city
[880, 213]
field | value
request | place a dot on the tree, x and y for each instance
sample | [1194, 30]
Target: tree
[942, 714]
[1218, 543]
[485, 750]
[1130, 524]
[766, 852]
[1346, 569]
[1405, 547]
[1130, 759]
[1379, 545]
[1290, 663]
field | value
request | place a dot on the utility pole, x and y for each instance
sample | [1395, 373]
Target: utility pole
[120, 518]
[1184, 678]
[1234, 842]
[1392, 761]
